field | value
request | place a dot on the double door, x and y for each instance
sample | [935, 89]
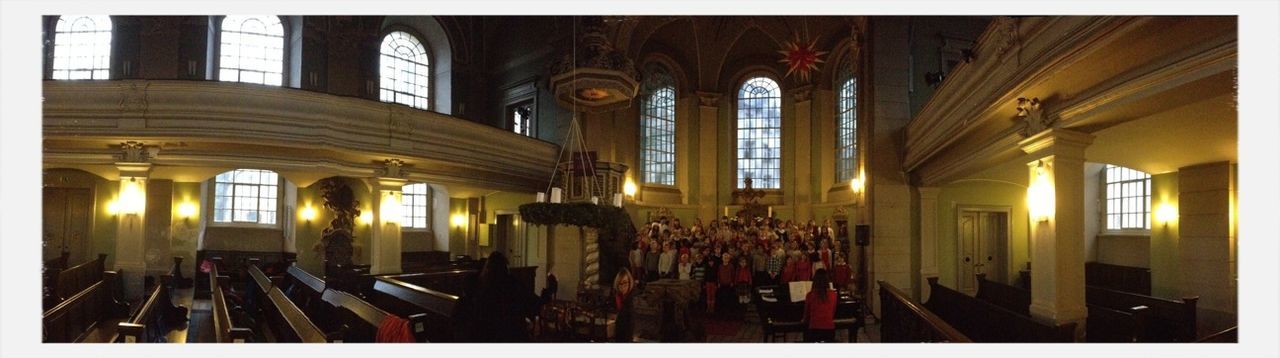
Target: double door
[983, 247]
[67, 215]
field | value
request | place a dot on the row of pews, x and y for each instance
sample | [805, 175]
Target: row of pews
[158, 315]
[79, 299]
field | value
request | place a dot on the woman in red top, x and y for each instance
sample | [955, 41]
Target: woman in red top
[820, 310]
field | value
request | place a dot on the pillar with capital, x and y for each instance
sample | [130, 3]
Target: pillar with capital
[708, 118]
[1054, 200]
[385, 240]
[131, 219]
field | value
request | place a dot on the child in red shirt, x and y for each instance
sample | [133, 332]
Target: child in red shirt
[743, 280]
[804, 269]
[841, 274]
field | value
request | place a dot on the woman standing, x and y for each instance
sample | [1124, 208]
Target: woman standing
[820, 310]
[623, 298]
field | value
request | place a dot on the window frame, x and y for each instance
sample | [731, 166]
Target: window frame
[212, 195]
[660, 79]
[407, 219]
[215, 51]
[737, 111]
[1104, 216]
[430, 65]
[52, 37]
[847, 74]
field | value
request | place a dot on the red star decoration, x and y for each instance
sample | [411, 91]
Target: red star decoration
[801, 59]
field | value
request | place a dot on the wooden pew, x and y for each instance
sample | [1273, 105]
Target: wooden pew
[983, 321]
[75, 317]
[74, 279]
[410, 300]
[905, 321]
[1229, 335]
[1120, 278]
[1167, 320]
[287, 322]
[224, 327]
[155, 319]
[343, 316]
[1102, 325]
[49, 274]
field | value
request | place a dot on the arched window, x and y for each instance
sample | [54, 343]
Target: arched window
[252, 50]
[82, 47]
[760, 133]
[417, 204]
[404, 71]
[846, 124]
[658, 129]
[1128, 198]
[246, 196]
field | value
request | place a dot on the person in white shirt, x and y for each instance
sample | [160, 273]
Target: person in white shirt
[685, 267]
[666, 261]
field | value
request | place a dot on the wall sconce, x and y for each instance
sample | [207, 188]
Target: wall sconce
[186, 210]
[1040, 194]
[856, 185]
[307, 213]
[629, 188]
[391, 209]
[366, 217]
[458, 220]
[132, 201]
[113, 208]
[1166, 213]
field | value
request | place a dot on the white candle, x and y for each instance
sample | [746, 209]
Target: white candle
[555, 195]
[770, 211]
[726, 210]
[595, 200]
[617, 200]
[542, 197]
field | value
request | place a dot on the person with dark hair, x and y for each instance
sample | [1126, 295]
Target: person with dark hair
[624, 286]
[496, 306]
[820, 309]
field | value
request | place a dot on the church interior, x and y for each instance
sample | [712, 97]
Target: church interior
[693, 179]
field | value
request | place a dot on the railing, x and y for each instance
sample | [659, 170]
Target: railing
[905, 321]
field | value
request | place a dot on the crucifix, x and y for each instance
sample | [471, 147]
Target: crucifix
[747, 197]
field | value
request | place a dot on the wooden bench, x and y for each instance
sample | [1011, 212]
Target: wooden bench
[72, 319]
[155, 319]
[1229, 335]
[1102, 325]
[1167, 320]
[224, 326]
[49, 275]
[905, 321]
[343, 316]
[74, 279]
[983, 321]
[1120, 278]
[410, 300]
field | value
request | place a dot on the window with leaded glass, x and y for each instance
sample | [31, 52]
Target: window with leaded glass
[82, 47]
[1128, 198]
[759, 132]
[658, 130]
[846, 125]
[252, 50]
[246, 196]
[404, 71]
[416, 199]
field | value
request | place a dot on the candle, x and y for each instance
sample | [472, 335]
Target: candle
[770, 211]
[617, 200]
[555, 195]
[542, 197]
[726, 210]
[595, 200]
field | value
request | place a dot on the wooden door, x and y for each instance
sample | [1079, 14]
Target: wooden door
[982, 248]
[66, 217]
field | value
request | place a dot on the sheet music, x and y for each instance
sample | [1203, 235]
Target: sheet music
[800, 289]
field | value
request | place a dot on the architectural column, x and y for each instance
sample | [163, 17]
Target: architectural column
[131, 217]
[928, 237]
[1207, 243]
[708, 117]
[385, 234]
[1056, 184]
[804, 154]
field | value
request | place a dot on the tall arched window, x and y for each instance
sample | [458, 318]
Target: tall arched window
[846, 124]
[658, 129]
[760, 133]
[252, 50]
[246, 196]
[404, 71]
[82, 47]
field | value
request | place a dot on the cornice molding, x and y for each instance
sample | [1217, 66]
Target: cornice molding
[291, 128]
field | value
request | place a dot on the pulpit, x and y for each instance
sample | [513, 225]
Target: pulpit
[662, 312]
